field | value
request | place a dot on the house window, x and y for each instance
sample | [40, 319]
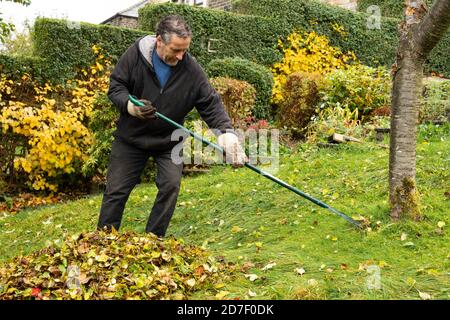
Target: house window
[198, 3]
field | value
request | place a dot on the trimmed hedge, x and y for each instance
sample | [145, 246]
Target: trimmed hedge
[372, 46]
[257, 75]
[389, 8]
[16, 66]
[248, 37]
[66, 49]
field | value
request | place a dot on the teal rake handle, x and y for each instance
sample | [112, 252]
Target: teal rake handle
[136, 102]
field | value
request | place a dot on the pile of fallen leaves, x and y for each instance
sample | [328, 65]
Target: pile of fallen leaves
[26, 200]
[100, 265]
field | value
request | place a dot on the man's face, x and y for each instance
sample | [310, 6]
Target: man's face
[173, 51]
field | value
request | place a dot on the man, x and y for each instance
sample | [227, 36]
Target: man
[167, 79]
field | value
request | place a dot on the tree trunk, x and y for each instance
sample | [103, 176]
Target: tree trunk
[404, 116]
[418, 36]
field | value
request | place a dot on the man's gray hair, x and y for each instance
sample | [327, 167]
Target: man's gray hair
[173, 24]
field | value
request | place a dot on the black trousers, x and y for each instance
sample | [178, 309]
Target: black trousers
[124, 171]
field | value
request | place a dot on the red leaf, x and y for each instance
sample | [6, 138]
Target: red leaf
[35, 292]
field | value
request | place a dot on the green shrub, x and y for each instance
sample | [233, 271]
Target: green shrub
[102, 124]
[238, 98]
[337, 119]
[301, 96]
[358, 87]
[241, 69]
[435, 104]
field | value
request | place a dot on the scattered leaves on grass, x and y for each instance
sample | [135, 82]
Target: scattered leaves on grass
[366, 264]
[99, 265]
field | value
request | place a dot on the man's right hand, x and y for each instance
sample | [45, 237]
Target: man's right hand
[146, 112]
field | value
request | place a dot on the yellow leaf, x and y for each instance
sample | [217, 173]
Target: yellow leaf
[222, 294]
[236, 229]
[219, 286]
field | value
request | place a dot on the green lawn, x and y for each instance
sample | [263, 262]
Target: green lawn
[251, 221]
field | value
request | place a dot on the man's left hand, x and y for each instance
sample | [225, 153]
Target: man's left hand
[234, 153]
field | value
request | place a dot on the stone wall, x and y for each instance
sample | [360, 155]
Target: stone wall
[125, 22]
[220, 4]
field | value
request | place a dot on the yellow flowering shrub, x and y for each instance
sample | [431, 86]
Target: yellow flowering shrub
[5, 87]
[306, 52]
[54, 122]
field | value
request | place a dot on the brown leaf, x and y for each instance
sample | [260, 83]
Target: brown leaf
[83, 248]
[84, 278]
[246, 266]
[410, 11]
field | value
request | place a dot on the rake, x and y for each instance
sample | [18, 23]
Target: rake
[267, 175]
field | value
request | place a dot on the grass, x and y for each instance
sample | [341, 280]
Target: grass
[251, 221]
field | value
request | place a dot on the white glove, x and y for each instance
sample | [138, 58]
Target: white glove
[234, 153]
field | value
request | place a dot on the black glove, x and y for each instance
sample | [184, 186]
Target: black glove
[146, 112]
